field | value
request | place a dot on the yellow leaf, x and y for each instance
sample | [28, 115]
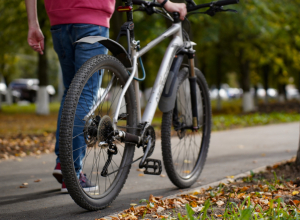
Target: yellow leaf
[186, 171]
[133, 204]
[141, 174]
[193, 204]
[230, 177]
[295, 193]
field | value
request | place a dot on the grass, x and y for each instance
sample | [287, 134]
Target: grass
[27, 109]
[266, 195]
[224, 122]
[16, 119]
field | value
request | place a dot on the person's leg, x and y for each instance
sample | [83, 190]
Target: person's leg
[83, 52]
[63, 47]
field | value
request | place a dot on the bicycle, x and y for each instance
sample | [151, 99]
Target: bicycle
[113, 125]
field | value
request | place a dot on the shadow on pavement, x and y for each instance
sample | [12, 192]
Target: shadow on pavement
[29, 197]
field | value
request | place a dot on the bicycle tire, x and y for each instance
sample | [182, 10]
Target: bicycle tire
[105, 66]
[184, 169]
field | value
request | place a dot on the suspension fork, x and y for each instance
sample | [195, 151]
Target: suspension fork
[193, 88]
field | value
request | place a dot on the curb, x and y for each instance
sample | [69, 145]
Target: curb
[213, 184]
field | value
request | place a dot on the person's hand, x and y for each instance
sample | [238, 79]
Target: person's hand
[176, 7]
[35, 39]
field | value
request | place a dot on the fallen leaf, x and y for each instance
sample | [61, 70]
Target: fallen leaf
[160, 209]
[197, 209]
[24, 184]
[38, 180]
[162, 175]
[296, 202]
[133, 204]
[186, 171]
[193, 204]
[220, 203]
[141, 174]
[263, 155]
[230, 177]
[187, 161]
[141, 170]
[295, 193]
[230, 180]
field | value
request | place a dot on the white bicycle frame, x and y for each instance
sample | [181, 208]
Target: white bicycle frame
[175, 44]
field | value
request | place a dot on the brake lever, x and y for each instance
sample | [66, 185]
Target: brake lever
[214, 9]
[231, 10]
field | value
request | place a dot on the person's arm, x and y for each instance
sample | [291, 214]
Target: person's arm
[35, 37]
[175, 7]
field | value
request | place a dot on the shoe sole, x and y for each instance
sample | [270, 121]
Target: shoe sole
[85, 189]
[58, 175]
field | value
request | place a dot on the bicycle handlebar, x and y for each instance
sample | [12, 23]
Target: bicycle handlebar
[218, 4]
[226, 2]
[140, 2]
[190, 7]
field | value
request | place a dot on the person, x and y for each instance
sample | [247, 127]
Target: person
[70, 21]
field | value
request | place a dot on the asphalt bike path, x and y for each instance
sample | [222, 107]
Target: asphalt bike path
[231, 152]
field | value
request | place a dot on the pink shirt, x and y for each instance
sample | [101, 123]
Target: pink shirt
[96, 12]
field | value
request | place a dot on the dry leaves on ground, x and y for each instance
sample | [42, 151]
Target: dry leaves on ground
[23, 145]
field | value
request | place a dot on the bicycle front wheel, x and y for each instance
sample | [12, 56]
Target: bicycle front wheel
[84, 124]
[185, 150]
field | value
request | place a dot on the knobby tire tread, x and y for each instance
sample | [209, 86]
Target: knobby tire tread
[166, 128]
[65, 146]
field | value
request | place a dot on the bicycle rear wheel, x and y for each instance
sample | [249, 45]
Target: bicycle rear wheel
[101, 78]
[184, 151]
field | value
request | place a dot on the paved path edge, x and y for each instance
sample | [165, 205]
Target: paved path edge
[213, 184]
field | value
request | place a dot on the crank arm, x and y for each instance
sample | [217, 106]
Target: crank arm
[146, 153]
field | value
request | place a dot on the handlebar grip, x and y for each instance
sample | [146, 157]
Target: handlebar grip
[226, 2]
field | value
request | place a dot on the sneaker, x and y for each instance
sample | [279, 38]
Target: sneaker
[57, 173]
[63, 187]
[84, 182]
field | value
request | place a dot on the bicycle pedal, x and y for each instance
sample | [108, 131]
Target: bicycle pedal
[154, 166]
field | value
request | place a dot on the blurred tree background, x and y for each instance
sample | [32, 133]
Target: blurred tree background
[258, 46]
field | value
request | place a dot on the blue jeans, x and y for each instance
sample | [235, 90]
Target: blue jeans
[72, 57]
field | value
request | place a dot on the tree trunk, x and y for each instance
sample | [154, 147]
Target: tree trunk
[298, 154]
[219, 80]
[248, 103]
[116, 21]
[42, 102]
[281, 93]
[255, 95]
[266, 82]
